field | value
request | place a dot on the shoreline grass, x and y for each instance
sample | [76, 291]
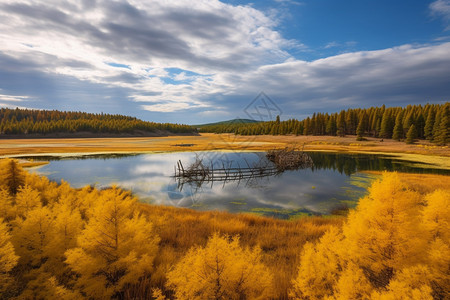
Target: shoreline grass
[423, 151]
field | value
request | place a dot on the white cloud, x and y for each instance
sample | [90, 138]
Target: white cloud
[400, 75]
[441, 8]
[224, 56]
[12, 98]
[80, 39]
[170, 106]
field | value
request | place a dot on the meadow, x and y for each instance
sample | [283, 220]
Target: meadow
[422, 151]
[60, 242]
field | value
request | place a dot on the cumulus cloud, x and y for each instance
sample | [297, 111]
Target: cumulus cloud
[130, 44]
[396, 76]
[202, 57]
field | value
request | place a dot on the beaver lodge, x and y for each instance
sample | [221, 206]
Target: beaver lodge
[289, 159]
[277, 162]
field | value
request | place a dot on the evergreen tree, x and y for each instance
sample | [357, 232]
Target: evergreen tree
[349, 122]
[341, 123]
[420, 124]
[429, 124]
[361, 127]
[331, 126]
[398, 128]
[408, 121]
[437, 126]
[443, 133]
[411, 135]
[307, 128]
[386, 125]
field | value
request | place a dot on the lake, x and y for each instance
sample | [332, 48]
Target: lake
[335, 181]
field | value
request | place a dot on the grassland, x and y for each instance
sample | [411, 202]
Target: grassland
[280, 240]
[422, 151]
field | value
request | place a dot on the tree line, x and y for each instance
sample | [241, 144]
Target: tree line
[57, 242]
[24, 121]
[431, 122]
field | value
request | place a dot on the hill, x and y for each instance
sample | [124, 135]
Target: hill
[228, 122]
[24, 123]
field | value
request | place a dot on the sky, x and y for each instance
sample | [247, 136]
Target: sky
[194, 62]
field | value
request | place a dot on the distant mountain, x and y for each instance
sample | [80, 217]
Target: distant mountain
[228, 122]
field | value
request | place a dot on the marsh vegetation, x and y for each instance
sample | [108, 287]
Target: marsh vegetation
[66, 243]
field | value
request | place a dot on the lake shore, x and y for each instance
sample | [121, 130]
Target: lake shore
[422, 151]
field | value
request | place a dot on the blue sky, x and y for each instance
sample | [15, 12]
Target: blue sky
[204, 61]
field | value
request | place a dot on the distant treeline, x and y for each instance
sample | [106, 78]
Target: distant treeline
[24, 121]
[431, 122]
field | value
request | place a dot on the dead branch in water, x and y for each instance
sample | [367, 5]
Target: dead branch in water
[277, 162]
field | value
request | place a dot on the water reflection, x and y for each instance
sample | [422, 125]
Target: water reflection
[334, 180]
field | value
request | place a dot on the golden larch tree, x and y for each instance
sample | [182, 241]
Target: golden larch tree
[384, 234]
[436, 220]
[32, 236]
[394, 246]
[320, 267]
[7, 210]
[45, 286]
[12, 175]
[67, 226]
[115, 250]
[26, 200]
[409, 283]
[8, 257]
[221, 270]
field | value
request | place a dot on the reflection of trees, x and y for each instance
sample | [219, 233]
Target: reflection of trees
[351, 163]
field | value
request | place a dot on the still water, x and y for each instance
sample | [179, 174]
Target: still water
[336, 180]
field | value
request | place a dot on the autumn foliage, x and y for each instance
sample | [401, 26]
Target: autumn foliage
[395, 245]
[57, 242]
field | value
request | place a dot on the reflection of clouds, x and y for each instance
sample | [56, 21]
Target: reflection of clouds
[160, 164]
[151, 178]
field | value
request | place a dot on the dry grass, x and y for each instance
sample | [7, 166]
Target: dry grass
[423, 151]
[422, 183]
[281, 241]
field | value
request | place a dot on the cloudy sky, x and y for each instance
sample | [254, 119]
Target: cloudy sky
[206, 60]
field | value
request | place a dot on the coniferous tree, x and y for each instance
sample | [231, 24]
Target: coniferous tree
[25, 122]
[375, 121]
[341, 123]
[361, 127]
[391, 247]
[437, 125]
[331, 126]
[307, 128]
[221, 270]
[411, 135]
[429, 124]
[408, 121]
[386, 125]
[116, 249]
[8, 257]
[443, 133]
[12, 176]
[398, 128]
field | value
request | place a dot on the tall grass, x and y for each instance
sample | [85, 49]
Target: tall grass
[280, 240]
